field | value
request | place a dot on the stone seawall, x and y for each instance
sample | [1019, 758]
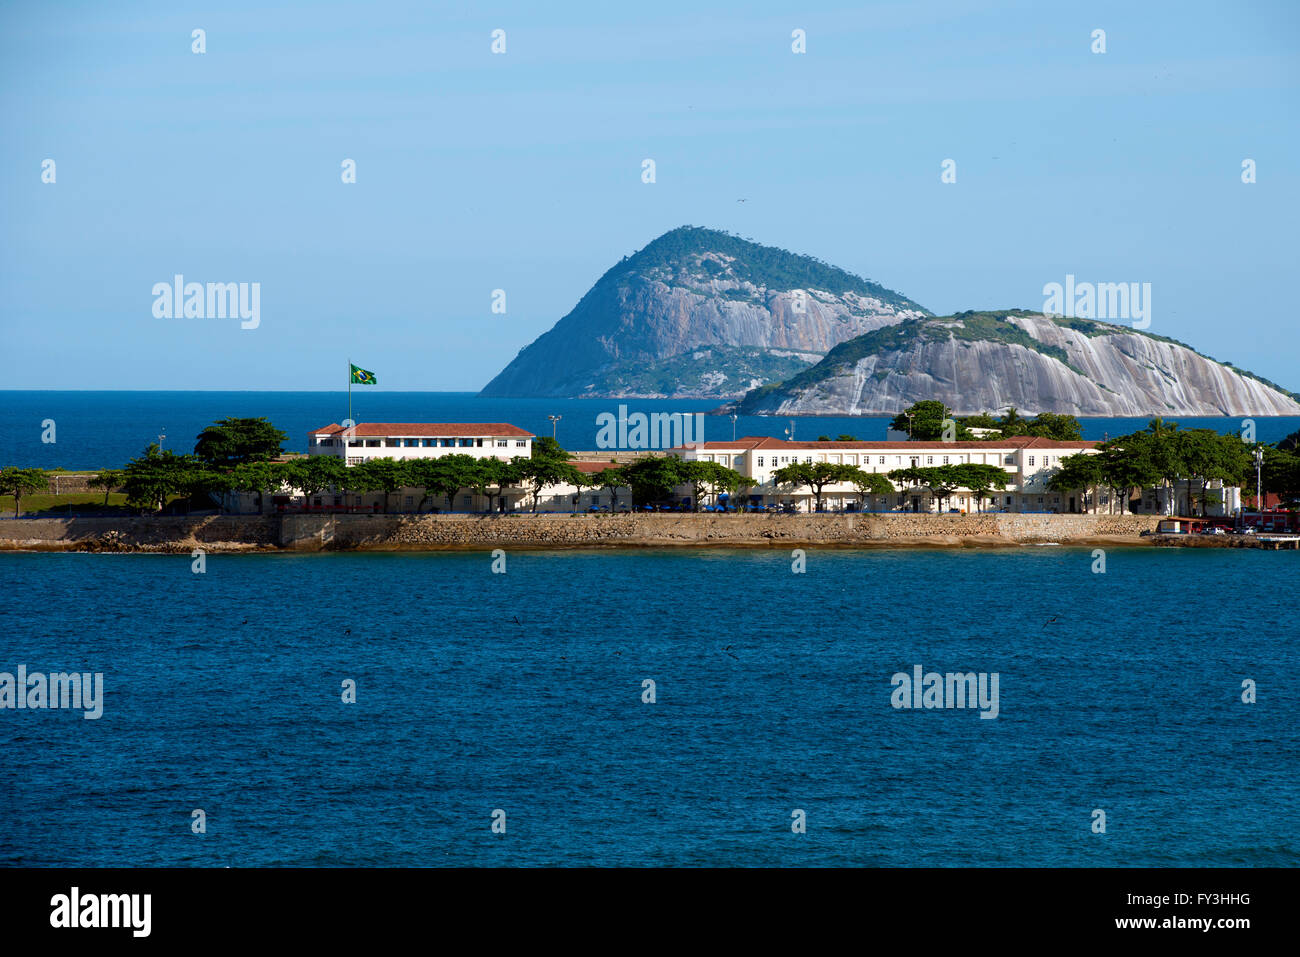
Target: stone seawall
[163, 533]
[433, 531]
[399, 532]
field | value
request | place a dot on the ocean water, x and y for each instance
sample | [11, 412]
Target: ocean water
[523, 692]
[105, 429]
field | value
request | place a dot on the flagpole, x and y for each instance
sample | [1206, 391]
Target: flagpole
[349, 390]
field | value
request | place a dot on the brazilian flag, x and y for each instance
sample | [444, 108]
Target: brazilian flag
[361, 377]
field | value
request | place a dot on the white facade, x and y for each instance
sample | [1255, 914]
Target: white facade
[1028, 462]
[420, 440]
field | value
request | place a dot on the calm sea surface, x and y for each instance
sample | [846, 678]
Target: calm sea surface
[105, 429]
[523, 692]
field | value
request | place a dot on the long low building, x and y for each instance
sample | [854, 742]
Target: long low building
[420, 440]
[1028, 461]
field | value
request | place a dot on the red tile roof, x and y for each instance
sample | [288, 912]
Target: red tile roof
[1015, 442]
[428, 429]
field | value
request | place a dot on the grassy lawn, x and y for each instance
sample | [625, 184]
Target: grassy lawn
[54, 505]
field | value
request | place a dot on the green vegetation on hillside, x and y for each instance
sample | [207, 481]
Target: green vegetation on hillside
[924, 421]
[761, 265]
[695, 372]
[974, 327]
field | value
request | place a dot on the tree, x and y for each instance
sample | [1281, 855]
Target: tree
[254, 477]
[815, 475]
[653, 478]
[538, 472]
[107, 479]
[489, 474]
[981, 421]
[1077, 472]
[922, 420]
[443, 477]
[547, 448]
[980, 479]
[1049, 425]
[609, 480]
[1164, 452]
[314, 474]
[234, 441]
[941, 480]
[19, 482]
[1011, 423]
[155, 476]
[708, 476]
[388, 474]
[869, 483]
[1126, 463]
[1280, 473]
[1207, 456]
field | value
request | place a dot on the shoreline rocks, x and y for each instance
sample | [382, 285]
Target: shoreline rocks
[307, 532]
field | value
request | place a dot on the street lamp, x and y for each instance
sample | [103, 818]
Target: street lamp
[733, 427]
[789, 433]
[554, 419]
[1259, 467]
[160, 441]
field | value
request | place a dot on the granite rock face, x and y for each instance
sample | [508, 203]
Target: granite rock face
[976, 362]
[643, 325]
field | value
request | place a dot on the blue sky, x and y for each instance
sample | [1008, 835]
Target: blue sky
[522, 171]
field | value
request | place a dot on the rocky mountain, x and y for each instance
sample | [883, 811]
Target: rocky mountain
[700, 313]
[985, 361]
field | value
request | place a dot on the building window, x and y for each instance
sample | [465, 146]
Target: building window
[502, 443]
[355, 459]
[760, 461]
[469, 500]
[945, 460]
[882, 460]
[1031, 461]
[410, 500]
[521, 443]
[929, 460]
[1009, 460]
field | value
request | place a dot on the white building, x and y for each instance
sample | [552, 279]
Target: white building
[420, 440]
[1028, 461]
